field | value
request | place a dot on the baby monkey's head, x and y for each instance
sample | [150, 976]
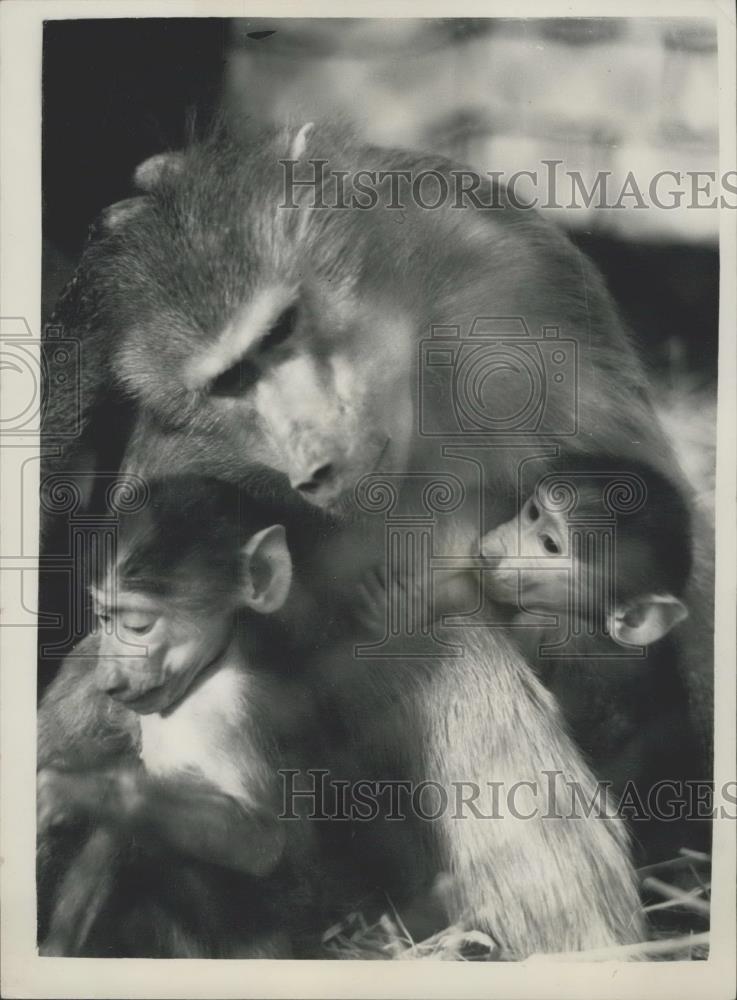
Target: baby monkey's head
[198, 554]
[597, 535]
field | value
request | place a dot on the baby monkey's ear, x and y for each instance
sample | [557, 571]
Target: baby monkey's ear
[647, 619]
[266, 570]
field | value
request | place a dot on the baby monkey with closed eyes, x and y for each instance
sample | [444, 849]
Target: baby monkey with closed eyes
[161, 738]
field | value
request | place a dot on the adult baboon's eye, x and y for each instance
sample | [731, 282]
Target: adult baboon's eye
[550, 545]
[533, 512]
[236, 379]
[282, 329]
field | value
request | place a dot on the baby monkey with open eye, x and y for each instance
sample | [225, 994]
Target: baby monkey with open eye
[630, 583]
[611, 599]
[161, 738]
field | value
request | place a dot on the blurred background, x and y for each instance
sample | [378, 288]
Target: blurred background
[620, 95]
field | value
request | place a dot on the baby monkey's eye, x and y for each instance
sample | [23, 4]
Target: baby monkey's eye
[137, 623]
[532, 512]
[104, 617]
[140, 629]
[550, 545]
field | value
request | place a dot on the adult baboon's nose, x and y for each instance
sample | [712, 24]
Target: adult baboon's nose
[319, 482]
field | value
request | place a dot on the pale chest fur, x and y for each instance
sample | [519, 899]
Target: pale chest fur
[204, 735]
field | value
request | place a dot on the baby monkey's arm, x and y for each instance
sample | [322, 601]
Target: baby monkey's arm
[191, 817]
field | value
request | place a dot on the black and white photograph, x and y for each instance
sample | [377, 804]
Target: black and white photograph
[368, 500]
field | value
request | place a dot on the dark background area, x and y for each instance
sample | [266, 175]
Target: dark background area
[114, 93]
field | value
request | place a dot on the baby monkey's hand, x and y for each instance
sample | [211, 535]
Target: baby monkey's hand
[64, 798]
[57, 802]
[381, 600]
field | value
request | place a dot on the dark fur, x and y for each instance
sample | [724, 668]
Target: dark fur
[654, 543]
[630, 717]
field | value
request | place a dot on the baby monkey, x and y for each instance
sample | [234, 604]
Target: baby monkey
[163, 733]
[603, 542]
[603, 549]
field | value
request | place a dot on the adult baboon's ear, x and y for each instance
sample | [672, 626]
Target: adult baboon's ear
[116, 215]
[299, 142]
[647, 619]
[267, 570]
[151, 172]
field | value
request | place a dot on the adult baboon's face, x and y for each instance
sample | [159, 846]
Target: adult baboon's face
[316, 388]
[257, 334]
